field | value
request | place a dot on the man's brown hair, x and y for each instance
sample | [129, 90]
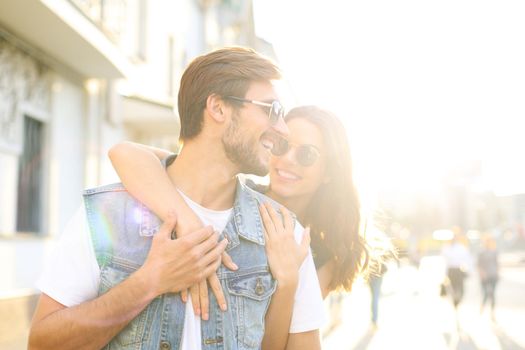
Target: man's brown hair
[225, 72]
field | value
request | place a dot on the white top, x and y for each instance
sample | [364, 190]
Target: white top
[457, 256]
[71, 276]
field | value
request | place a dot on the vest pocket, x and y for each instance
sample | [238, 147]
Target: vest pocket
[137, 330]
[250, 295]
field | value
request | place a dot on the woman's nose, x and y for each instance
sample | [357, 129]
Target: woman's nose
[289, 156]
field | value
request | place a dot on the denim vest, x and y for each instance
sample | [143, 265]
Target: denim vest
[121, 231]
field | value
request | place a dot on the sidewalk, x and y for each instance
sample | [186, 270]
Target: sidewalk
[413, 316]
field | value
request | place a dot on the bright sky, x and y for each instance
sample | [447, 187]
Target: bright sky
[421, 86]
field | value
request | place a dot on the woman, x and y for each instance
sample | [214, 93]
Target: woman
[488, 267]
[311, 176]
[458, 262]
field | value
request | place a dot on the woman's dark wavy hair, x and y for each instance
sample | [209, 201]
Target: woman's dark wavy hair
[334, 211]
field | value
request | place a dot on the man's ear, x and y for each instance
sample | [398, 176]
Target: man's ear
[216, 108]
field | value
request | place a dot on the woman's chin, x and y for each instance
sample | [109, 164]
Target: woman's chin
[281, 189]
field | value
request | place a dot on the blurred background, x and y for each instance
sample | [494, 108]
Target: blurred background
[431, 94]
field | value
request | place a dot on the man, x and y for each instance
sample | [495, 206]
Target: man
[488, 268]
[112, 283]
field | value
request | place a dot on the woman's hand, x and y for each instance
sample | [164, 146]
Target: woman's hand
[285, 255]
[199, 291]
[146, 179]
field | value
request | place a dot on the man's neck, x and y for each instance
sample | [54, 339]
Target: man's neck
[204, 174]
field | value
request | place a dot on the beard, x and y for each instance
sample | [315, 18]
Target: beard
[241, 150]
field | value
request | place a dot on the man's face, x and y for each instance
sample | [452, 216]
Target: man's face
[250, 136]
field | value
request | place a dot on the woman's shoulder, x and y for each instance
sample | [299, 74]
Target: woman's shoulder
[320, 252]
[169, 159]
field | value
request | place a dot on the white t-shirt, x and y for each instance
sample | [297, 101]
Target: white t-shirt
[71, 276]
[457, 256]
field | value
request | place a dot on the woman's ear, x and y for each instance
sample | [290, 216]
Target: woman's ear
[215, 107]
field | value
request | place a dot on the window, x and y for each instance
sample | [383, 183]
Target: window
[171, 66]
[142, 29]
[30, 175]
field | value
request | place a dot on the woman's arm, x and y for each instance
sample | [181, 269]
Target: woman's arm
[145, 178]
[325, 274]
[285, 257]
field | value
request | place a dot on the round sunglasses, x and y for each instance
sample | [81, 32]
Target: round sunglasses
[306, 155]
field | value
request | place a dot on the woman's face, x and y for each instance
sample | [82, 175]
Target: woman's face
[290, 179]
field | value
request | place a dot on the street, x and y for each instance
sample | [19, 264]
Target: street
[412, 315]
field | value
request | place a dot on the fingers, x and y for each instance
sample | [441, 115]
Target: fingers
[214, 254]
[275, 217]
[269, 227]
[184, 295]
[228, 262]
[305, 242]
[205, 246]
[196, 237]
[203, 296]
[195, 301]
[168, 226]
[210, 269]
[266, 236]
[216, 287]
[288, 222]
[207, 255]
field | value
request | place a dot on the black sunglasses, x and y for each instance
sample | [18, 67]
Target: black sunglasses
[275, 109]
[306, 155]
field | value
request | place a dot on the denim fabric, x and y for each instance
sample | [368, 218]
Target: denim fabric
[121, 230]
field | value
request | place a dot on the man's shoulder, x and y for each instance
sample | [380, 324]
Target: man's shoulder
[114, 187]
[114, 193]
[260, 197]
[256, 186]
[113, 200]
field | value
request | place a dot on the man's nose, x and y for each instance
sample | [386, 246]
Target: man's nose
[281, 128]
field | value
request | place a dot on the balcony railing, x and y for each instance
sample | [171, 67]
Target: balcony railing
[122, 21]
[108, 15]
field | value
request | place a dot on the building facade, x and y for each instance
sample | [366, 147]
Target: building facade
[76, 77]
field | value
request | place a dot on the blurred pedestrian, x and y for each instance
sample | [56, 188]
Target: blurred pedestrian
[375, 280]
[488, 267]
[458, 261]
[415, 256]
